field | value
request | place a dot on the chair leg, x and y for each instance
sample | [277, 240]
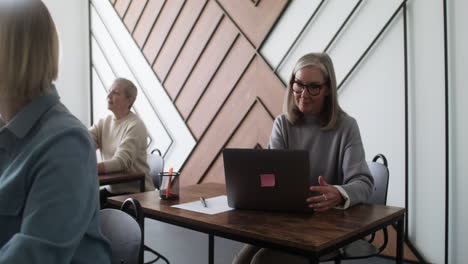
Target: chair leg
[158, 256]
[337, 261]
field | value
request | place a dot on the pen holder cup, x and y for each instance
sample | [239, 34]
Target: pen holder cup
[169, 185]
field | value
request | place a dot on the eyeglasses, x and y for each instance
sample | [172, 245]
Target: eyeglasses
[312, 88]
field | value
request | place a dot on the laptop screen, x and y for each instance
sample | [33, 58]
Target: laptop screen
[267, 179]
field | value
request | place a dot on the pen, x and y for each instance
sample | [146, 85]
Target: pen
[168, 189]
[202, 200]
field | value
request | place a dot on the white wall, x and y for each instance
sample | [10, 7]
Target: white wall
[458, 43]
[71, 19]
[427, 138]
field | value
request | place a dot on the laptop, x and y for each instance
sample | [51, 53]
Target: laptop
[267, 179]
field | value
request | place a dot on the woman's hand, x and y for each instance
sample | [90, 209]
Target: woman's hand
[330, 197]
[101, 168]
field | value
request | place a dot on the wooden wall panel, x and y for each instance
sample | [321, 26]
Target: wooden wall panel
[221, 86]
[250, 133]
[254, 21]
[206, 67]
[147, 20]
[161, 28]
[121, 7]
[268, 87]
[185, 62]
[134, 13]
[219, 132]
[180, 32]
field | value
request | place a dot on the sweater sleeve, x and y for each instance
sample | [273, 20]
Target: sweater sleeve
[95, 132]
[277, 137]
[123, 158]
[357, 179]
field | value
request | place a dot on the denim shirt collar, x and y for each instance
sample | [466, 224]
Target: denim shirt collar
[23, 121]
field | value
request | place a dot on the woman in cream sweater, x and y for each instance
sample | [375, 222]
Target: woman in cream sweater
[121, 139]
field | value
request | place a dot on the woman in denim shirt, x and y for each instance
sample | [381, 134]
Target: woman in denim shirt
[48, 177]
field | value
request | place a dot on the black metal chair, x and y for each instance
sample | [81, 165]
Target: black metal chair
[364, 248]
[156, 165]
[133, 207]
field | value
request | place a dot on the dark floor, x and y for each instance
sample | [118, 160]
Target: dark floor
[184, 246]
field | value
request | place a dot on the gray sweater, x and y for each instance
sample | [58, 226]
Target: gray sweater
[336, 154]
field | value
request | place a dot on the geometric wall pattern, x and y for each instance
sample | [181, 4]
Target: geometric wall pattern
[223, 64]
[212, 72]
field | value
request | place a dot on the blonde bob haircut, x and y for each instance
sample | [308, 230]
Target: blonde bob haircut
[29, 49]
[129, 88]
[331, 109]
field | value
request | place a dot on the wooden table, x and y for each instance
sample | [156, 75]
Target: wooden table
[121, 177]
[310, 235]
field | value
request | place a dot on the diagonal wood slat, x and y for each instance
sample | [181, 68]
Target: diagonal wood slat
[254, 21]
[213, 55]
[121, 7]
[134, 13]
[184, 24]
[250, 133]
[147, 20]
[199, 38]
[162, 28]
[221, 86]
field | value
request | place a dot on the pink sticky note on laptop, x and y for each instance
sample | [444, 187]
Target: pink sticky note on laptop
[267, 180]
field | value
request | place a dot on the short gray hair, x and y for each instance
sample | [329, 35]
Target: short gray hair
[29, 53]
[332, 109]
[129, 87]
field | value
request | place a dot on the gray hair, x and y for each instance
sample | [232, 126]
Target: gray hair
[129, 88]
[29, 53]
[332, 109]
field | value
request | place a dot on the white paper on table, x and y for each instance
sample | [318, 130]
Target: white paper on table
[214, 205]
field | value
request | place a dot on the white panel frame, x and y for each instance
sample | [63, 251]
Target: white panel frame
[427, 125]
[458, 94]
[359, 34]
[319, 33]
[287, 29]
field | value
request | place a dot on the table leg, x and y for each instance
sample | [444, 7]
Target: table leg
[142, 185]
[210, 248]
[400, 240]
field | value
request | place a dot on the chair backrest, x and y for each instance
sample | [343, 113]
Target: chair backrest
[124, 234]
[380, 173]
[156, 165]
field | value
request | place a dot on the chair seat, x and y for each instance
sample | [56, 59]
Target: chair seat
[359, 249]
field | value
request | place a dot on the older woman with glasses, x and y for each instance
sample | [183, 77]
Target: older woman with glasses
[313, 120]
